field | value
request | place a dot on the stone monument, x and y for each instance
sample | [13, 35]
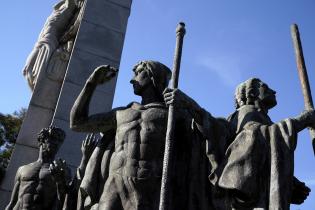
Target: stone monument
[77, 37]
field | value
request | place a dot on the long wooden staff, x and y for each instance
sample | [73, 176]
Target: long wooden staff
[303, 75]
[165, 186]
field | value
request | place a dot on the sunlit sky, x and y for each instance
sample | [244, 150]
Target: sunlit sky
[226, 43]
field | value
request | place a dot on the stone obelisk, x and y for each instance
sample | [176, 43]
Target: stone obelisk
[94, 36]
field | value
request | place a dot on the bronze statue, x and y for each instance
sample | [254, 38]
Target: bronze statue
[135, 137]
[136, 163]
[42, 184]
[251, 157]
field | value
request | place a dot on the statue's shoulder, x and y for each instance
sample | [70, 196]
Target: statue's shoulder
[138, 106]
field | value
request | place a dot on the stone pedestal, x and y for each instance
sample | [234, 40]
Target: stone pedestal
[99, 41]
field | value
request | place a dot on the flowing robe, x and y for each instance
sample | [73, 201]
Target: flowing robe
[256, 171]
[48, 41]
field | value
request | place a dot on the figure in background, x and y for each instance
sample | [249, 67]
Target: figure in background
[55, 42]
[251, 157]
[42, 184]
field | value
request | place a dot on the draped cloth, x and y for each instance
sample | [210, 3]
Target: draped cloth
[259, 165]
[48, 41]
[251, 158]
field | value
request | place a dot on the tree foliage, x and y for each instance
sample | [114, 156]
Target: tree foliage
[10, 125]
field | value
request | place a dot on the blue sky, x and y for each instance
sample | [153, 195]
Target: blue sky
[226, 43]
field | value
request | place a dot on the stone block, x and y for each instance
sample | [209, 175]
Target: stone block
[101, 100]
[36, 119]
[71, 147]
[100, 41]
[123, 3]
[4, 198]
[48, 90]
[107, 14]
[21, 155]
[82, 65]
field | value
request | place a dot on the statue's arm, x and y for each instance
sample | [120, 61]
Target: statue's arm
[181, 100]
[82, 122]
[15, 192]
[79, 118]
[304, 120]
[87, 148]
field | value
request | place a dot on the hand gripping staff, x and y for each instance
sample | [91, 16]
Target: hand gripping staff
[165, 191]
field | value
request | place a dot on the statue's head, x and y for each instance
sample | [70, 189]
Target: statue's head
[150, 73]
[255, 92]
[50, 139]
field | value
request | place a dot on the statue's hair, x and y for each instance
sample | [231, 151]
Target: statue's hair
[52, 133]
[159, 74]
[247, 92]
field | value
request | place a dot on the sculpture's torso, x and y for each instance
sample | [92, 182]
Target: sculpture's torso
[37, 187]
[139, 141]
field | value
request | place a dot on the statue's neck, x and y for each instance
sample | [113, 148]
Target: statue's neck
[149, 95]
[44, 158]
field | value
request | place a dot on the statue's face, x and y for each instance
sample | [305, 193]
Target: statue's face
[267, 96]
[140, 80]
[50, 147]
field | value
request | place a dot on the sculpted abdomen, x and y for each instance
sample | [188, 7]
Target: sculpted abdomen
[139, 142]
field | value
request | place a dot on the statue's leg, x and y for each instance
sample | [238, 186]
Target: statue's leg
[110, 198]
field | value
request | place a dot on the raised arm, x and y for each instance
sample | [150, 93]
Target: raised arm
[79, 119]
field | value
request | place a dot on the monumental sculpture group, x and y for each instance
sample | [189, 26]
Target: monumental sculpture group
[242, 162]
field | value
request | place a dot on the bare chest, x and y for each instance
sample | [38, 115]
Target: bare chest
[147, 121]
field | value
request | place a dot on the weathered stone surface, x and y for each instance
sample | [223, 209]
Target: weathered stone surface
[101, 101]
[113, 16]
[71, 147]
[83, 65]
[5, 195]
[46, 89]
[36, 118]
[124, 3]
[100, 41]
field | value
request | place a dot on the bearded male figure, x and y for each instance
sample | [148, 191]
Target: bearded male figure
[251, 157]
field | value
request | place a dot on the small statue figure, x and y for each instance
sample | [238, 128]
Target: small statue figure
[251, 157]
[55, 42]
[125, 173]
[42, 184]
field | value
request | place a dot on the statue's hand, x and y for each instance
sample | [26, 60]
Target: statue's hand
[88, 145]
[177, 98]
[299, 192]
[59, 171]
[102, 74]
[174, 97]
